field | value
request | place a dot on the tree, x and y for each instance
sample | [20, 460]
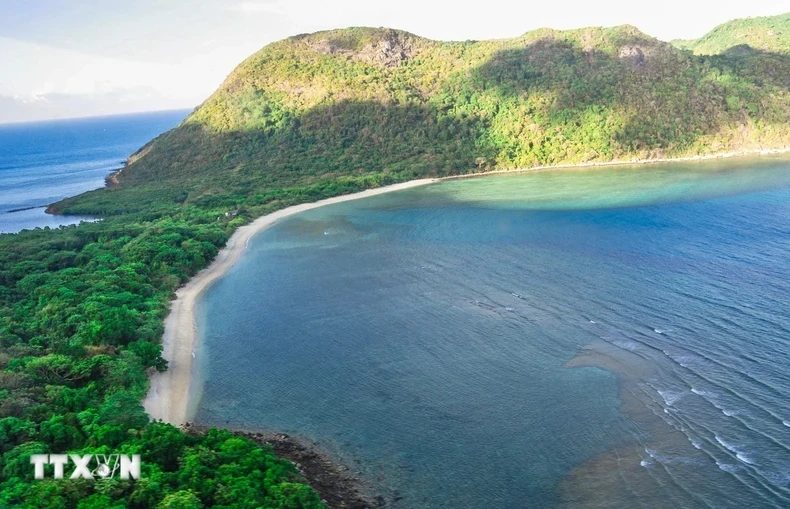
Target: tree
[183, 499]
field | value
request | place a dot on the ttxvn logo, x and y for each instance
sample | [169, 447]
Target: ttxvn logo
[89, 466]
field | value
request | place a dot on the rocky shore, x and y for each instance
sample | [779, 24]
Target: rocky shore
[338, 487]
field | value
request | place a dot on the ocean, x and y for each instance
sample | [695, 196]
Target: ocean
[605, 337]
[43, 162]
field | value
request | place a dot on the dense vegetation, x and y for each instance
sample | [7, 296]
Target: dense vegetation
[770, 34]
[81, 312]
[81, 308]
[381, 104]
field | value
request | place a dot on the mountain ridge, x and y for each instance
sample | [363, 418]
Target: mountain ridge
[378, 105]
[316, 116]
[743, 36]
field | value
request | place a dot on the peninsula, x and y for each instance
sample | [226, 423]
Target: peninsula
[310, 118]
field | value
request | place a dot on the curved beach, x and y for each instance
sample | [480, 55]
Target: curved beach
[168, 396]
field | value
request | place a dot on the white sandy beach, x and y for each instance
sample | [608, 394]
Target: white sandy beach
[168, 397]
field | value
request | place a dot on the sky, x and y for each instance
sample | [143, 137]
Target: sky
[73, 58]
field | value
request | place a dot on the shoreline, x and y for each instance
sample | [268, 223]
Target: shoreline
[634, 162]
[337, 485]
[168, 395]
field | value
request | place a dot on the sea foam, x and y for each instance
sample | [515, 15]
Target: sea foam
[737, 450]
[670, 397]
[728, 467]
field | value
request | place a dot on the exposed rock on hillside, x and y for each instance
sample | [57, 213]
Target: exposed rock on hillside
[632, 53]
[377, 105]
[388, 48]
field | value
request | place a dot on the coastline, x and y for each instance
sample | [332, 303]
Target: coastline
[337, 485]
[627, 162]
[168, 395]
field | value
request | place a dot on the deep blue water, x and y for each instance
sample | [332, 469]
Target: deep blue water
[614, 337]
[43, 162]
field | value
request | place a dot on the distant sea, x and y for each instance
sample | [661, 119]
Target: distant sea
[608, 337]
[43, 162]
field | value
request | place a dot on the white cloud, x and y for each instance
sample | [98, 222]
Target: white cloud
[50, 106]
[185, 48]
[70, 73]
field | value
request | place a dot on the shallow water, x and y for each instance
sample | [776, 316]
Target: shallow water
[611, 337]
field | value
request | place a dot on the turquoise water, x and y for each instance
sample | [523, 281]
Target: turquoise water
[612, 337]
[43, 162]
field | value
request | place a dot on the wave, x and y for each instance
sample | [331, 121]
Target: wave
[665, 459]
[735, 449]
[745, 458]
[711, 398]
[700, 365]
[728, 467]
[687, 361]
[631, 346]
[708, 396]
[776, 478]
[733, 413]
[726, 445]
[670, 398]
[701, 360]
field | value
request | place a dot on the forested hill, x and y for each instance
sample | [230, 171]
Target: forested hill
[313, 116]
[389, 105]
[743, 36]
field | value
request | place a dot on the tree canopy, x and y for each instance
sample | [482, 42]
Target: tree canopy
[313, 116]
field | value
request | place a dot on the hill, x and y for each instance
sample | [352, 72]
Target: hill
[81, 307]
[361, 106]
[769, 34]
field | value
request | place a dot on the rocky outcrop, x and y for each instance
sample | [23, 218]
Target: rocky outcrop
[633, 54]
[390, 52]
[389, 48]
[337, 485]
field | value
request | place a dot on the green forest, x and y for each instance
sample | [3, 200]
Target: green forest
[765, 34]
[309, 117]
[80, 324]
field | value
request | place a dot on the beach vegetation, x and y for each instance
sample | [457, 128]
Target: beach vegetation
[310, 117]
[81, 310]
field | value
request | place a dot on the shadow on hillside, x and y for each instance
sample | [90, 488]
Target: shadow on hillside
[754, 65]
[548, 102]
[653, 96]
[349, 138]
